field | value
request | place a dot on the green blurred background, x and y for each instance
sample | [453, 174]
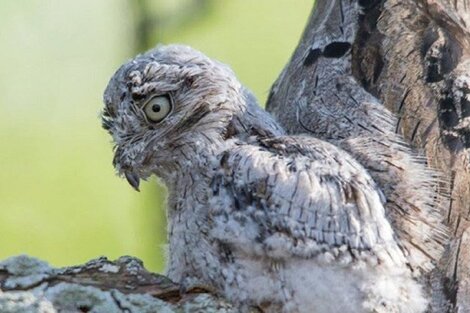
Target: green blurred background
[60, 199]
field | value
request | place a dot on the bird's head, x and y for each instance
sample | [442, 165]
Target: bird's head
[163, 99]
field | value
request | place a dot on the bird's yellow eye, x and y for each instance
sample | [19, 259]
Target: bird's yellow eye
[157, 108]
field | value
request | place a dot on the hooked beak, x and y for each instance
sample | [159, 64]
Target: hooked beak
[133, 180]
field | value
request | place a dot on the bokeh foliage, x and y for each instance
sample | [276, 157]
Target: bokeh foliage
[59, 197]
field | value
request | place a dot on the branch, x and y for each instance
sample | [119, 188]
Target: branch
[31, 285]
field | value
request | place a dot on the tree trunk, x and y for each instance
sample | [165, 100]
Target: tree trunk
[413, 57]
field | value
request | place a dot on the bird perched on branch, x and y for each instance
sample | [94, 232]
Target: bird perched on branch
[284, 223]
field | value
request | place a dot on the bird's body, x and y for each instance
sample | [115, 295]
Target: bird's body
[285, 223]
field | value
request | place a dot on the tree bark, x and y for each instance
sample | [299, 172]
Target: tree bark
[28, 285]
[414, 57]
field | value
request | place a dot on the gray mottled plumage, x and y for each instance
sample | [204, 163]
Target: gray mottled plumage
[286, 223]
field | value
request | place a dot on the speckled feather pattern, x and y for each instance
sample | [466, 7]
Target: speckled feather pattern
[285, 223]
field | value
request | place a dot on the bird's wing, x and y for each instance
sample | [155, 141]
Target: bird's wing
[299, 196]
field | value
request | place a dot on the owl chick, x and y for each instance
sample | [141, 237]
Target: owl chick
[285, 223]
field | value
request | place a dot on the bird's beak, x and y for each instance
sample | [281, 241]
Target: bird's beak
[133, 180]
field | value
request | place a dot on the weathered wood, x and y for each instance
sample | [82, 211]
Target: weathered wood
[30, 285]
[414, 57]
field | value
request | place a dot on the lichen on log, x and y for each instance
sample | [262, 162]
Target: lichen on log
[29, 285]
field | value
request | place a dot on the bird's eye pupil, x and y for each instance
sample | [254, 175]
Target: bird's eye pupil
[156, 108]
